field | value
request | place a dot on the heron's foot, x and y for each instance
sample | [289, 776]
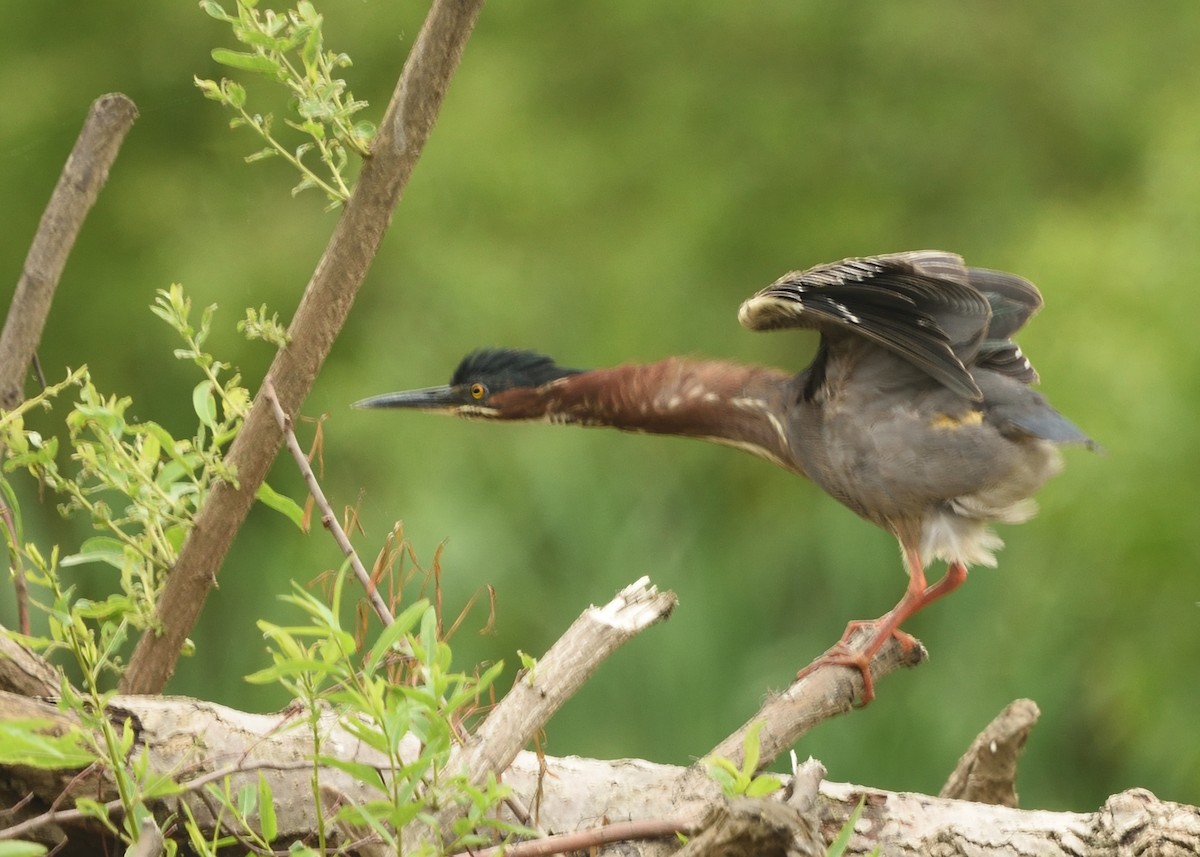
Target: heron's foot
[841, 654]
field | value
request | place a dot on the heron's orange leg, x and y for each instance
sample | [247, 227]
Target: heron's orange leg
[917, 597]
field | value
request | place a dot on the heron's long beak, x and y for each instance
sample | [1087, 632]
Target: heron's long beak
[429, 399]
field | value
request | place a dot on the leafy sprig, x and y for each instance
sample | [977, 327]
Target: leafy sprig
[288, 48]
[735, 781]
[137, 484]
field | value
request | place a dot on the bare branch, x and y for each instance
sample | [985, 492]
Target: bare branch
[825, 692]
[987, 772]
[16, 566]
[319, 318]
[328, 518]
[109, 120]
[588, 840]
[23, 671]
[540, 691]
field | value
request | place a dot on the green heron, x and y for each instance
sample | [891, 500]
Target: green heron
[916, 413]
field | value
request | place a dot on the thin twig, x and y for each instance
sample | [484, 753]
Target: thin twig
[71, 816]
[20, 585]
[520, 812]
[328, 518]
[38, 373]
[583, 840]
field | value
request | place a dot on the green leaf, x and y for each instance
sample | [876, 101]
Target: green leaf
[363, 132]
[365, 774]
[214, 10]
[402, 624]
[32, 742]
[312, 42]
[149, 452]
[368, 735]
[159, 787]
[98, 549]
[21, 849]
[244, 802]
[842, 841]
[127, 736]
[166, 442]
[205, 403]
[429, 639]
[282, 504]
[95, 809]
[266, 809]
[267, 42]
[725, 780]
[246, 62]
[15, 532]
[295, 665]
[721, 763]
[763, 786]
[261, 155]
[750, 747]
[235, 92]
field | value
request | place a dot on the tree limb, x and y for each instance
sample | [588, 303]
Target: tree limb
[541, 690]
[827, 691]
[108, 121]
[191, 739]
[25, 672]
[319, 318]
[987, 772]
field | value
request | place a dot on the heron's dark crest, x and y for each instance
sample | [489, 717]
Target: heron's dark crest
[504, 368]
[481, 377]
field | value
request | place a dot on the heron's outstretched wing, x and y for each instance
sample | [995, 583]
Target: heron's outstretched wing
[925, 306]
[1014, 300]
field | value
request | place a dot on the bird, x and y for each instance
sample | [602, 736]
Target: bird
[917, 411]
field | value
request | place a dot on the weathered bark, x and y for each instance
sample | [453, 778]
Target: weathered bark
[196, 738]
[192, 739]
[23, 671]
[987, 772]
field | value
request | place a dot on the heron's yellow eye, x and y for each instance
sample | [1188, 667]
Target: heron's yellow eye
[477, 391]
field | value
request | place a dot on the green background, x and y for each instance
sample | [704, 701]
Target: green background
[606, 183]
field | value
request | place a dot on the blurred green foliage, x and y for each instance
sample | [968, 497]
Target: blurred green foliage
[606, 183]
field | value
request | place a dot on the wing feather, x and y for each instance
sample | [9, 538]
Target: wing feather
[921, 306]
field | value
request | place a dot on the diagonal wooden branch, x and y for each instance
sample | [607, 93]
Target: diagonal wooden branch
[826, 692]
[109, 120]
[319, 318]
[540, 691]
[328, 519]
[25, 672]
